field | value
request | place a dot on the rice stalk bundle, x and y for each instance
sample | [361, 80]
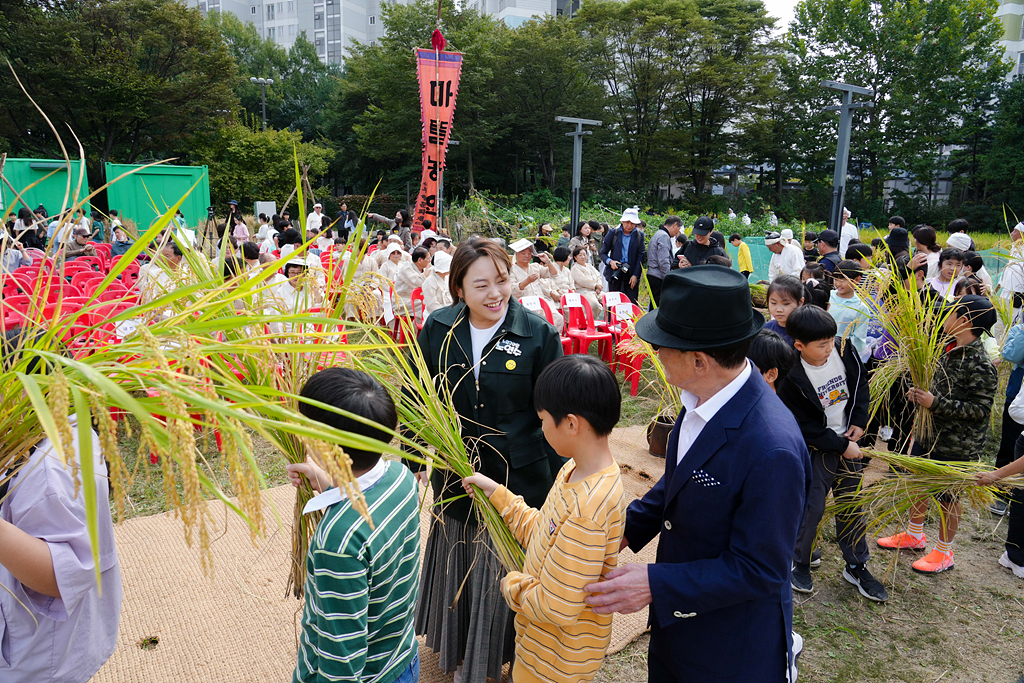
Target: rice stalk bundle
[888, 501]
[195, 353]
[631, 346]
[916, 327]
[432, 427]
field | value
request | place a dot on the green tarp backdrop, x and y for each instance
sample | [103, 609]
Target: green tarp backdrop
[51, 193]
[148, 193]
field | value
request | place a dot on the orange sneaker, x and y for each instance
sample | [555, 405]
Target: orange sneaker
[934, 562]
[903, 541]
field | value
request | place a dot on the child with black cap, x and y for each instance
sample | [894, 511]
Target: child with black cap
[960, 399]
[849, 310]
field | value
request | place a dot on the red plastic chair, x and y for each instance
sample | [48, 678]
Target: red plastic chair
[87, 281]
[610, 300]
[418, 314]
[535, 303]
[97, 263]
[372, 248]
[104, 249]
[579, 326]
[621, 317]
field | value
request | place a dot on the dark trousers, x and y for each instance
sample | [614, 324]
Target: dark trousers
[659, 672]
[1015, 528]
[897, 413]
[621, 284]
[655, 283]
[833, 472]
[1011, 430]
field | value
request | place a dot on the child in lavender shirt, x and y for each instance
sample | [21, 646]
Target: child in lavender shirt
[55, 625]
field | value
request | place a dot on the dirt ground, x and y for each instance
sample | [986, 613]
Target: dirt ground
[965, 625]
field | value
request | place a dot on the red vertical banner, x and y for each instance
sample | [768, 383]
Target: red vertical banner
[438, 73]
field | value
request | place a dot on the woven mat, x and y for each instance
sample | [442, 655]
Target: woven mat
[237, 627]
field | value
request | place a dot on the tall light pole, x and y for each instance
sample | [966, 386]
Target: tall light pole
[577, 164]
[835, 214]
[263, 83]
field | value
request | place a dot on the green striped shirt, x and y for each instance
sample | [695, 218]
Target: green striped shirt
[361, 587]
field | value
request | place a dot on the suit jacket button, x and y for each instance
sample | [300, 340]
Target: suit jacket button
[679, 615]
[668, 525]
[692, 614]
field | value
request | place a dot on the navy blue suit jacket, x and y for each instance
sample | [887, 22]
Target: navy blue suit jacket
[611, 250]
[728, 515]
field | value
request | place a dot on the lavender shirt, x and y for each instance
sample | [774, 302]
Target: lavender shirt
[77, 632]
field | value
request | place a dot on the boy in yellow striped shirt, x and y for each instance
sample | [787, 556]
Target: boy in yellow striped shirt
[573, 540]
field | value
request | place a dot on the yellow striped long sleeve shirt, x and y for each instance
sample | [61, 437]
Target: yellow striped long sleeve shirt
[571, 542]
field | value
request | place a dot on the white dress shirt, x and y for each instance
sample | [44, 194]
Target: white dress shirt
[790, 261]
[697, 416]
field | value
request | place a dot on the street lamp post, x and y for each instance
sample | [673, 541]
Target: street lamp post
[263, 83]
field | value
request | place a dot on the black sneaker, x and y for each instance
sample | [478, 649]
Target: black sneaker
[800, 577]
[870, 587]
[815, 559]
[999, 507]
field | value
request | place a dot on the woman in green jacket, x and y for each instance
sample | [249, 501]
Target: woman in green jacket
[489, 350]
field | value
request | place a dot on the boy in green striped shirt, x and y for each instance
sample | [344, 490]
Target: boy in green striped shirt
[361, 583]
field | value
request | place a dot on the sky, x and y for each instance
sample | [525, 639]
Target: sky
[781, 10]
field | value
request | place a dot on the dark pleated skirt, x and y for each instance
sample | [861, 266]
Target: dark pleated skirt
[461, 609]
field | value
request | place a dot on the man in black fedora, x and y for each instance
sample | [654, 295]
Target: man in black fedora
[729, 505]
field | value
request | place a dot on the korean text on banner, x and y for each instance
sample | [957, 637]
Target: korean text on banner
[438, 74]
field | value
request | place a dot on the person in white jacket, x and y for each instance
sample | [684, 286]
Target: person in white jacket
[787, 259]
[436, 293]
[848, 232]
[411, 275]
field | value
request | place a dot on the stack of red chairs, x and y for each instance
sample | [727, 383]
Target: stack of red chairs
[579, 326]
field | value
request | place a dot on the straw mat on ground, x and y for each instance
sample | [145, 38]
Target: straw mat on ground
[239, 627]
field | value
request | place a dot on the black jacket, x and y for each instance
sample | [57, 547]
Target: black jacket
[802, 400]
[499, 422]
[697, 254]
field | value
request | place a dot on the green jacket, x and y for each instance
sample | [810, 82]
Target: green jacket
[964, 386]
[499, 423]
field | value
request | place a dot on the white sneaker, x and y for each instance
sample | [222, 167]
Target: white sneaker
[798, 647]
[1017, 570]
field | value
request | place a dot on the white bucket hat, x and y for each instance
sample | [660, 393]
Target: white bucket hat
[786, 235]
[959, 240]
[631, 215]
[392, 248]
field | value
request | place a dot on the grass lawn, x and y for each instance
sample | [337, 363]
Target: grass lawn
[964, 625]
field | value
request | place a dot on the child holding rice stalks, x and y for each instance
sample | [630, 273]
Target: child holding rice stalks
[361, 587]
[959, 399]
[827, 392]
[573, 540]
[1013, 557]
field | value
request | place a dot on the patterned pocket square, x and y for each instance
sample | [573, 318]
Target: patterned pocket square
[705, 479]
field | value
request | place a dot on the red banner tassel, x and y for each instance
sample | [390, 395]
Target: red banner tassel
[437, 40]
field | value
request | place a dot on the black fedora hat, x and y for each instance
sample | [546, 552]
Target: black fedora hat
[702, 307]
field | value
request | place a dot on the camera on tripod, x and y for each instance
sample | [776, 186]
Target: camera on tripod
[209, 213]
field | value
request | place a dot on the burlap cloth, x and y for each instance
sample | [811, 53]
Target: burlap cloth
[237, 627]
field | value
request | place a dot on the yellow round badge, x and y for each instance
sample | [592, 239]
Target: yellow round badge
[510, 365]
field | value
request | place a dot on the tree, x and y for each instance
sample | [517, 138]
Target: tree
[303, 85]
[132, 78]
[249, 164]
[725, 74]
[550, 69]
[925, 61]
[642, 40]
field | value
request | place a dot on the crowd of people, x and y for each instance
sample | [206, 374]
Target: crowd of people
[775, 417]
